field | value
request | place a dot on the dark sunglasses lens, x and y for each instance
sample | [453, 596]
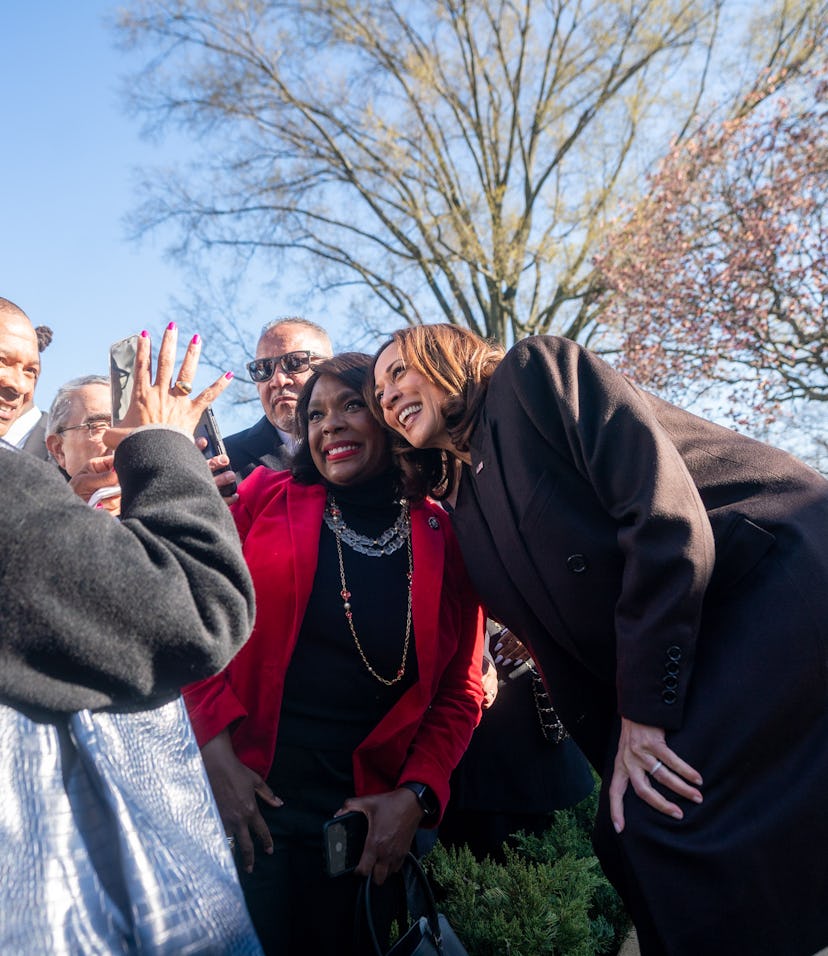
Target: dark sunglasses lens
[261, 370]
[294, 362]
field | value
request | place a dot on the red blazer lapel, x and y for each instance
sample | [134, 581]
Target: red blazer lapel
[429, 558]
[305, 505]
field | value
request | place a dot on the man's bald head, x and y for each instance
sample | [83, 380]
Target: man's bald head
[19, 362]
[7, 306]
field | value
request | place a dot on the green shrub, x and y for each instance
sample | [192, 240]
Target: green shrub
[550, 896]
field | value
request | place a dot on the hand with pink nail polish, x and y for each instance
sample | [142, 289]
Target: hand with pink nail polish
[166, 400]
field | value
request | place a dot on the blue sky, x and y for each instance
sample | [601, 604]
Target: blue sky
[69, 156]
[67, 168]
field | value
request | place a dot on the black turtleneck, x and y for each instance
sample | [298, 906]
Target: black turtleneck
[331, 701]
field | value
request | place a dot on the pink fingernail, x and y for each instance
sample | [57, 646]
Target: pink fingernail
[145, 334]
[229, 375]
[171, 327]
[196, 339]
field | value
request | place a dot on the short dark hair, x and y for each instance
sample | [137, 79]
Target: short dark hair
[44, 337]
[352, 369]
[294, 320]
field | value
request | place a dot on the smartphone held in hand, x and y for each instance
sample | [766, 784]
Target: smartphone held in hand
[207, 428]
[344, 840]
[122, 375]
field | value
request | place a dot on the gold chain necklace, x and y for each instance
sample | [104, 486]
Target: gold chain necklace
[345, 594]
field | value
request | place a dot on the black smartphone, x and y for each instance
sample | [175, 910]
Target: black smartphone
[344, 840]
[208, 429]
[122, 375]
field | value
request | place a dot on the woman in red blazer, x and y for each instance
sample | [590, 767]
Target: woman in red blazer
[361, 682]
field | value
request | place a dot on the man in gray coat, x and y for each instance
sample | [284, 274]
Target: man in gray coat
[109, 836]
[103, 612]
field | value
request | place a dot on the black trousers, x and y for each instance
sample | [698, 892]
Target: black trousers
[297, 909]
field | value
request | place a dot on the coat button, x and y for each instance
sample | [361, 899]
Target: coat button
[669, 696]
[670, 682]
[433, 523]
[576, 563]
[672, 667]
[674, 652]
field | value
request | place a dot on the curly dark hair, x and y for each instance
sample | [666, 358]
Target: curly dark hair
[44, 337]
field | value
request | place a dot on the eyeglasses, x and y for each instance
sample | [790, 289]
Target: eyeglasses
[291, 363]
[95, 429]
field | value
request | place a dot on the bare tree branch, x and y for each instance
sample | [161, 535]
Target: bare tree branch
[453, 159]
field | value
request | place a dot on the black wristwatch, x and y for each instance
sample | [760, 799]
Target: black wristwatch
[426, 799]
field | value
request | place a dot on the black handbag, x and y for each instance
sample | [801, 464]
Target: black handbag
[429, 933]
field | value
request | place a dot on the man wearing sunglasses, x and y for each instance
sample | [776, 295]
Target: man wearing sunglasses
[284, 361]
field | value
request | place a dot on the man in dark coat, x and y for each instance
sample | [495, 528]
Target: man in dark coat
[284, 355]
[34, 440]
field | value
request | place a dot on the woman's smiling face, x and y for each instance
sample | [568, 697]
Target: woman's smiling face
[347, 445]
[411, 404]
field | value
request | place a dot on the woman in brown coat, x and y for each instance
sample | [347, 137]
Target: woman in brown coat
[670, 578]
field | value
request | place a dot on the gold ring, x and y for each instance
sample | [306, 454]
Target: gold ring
[185, 387]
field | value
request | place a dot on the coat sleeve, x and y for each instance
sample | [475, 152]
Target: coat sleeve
[212, 703]
[593, 419]
[98, 612]
[447, 725]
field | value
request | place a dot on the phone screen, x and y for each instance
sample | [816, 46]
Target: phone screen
[122, 375]
[344, 842]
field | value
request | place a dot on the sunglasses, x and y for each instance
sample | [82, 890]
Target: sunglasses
[291, 363]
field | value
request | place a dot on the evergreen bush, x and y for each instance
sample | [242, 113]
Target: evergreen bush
[549, 898]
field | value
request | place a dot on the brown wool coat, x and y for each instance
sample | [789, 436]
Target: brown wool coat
[674, 572]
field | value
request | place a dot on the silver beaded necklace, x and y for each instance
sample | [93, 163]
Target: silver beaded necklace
[391, 540]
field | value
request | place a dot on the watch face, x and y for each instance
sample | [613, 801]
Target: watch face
[429, 803]
[425, 797]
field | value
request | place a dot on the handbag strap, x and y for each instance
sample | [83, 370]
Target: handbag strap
[413, 865]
